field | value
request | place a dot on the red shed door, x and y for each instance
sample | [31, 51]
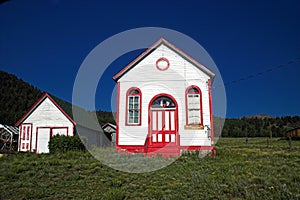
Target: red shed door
[25, 137]
[163, 122]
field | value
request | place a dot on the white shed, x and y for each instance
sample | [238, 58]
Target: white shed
[110, 132]
[164, 103]
[43, 120]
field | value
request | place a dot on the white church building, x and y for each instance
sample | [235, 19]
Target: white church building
[164, 103]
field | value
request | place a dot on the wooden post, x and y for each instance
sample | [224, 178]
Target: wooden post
[290, 142]
[271, 133]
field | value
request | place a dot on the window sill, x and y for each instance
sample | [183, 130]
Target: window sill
[194, 127]
[132, 124]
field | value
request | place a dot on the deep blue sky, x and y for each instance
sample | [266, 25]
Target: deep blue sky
[45, 42]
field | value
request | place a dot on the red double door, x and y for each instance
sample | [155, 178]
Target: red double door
[163, 123]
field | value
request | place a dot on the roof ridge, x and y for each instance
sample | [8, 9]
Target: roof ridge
[37, 103]
[154, 46]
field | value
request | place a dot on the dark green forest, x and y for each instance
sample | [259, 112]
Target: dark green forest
[18, 96]
[259, 127]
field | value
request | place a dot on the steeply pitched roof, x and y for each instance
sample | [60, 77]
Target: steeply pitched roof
[109, 124]
[83, 118]
[155, 46]
[37, 103]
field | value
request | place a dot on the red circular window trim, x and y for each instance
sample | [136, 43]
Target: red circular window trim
[162, 59]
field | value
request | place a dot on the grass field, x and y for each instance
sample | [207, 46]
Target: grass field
[237, 172]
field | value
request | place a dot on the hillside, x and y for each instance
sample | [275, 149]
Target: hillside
[259, 127]
[259, 116]
[237, 172]
[17, 96]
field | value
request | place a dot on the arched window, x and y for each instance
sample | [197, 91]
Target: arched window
[163, 102]
[194, 106]
[133, 107]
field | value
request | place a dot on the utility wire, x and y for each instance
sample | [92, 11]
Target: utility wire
[296, 60]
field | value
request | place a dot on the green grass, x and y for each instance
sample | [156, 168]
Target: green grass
[237, 172]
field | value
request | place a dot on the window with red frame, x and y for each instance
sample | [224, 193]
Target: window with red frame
[193, 106]
[133, 106]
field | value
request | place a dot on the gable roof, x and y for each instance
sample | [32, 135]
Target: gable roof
[84, 118]
[37, 103]
[154, 46]
[110, 125]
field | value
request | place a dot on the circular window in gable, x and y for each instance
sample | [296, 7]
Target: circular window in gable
[162, 64]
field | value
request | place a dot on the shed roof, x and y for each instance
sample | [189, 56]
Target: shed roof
[154, 46]
[9, 129]
[293, 129]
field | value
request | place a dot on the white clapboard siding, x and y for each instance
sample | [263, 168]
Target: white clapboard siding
[173, 81]
[180, 69]
[45, 117]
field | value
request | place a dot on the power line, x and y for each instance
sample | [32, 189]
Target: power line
[296, 60]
